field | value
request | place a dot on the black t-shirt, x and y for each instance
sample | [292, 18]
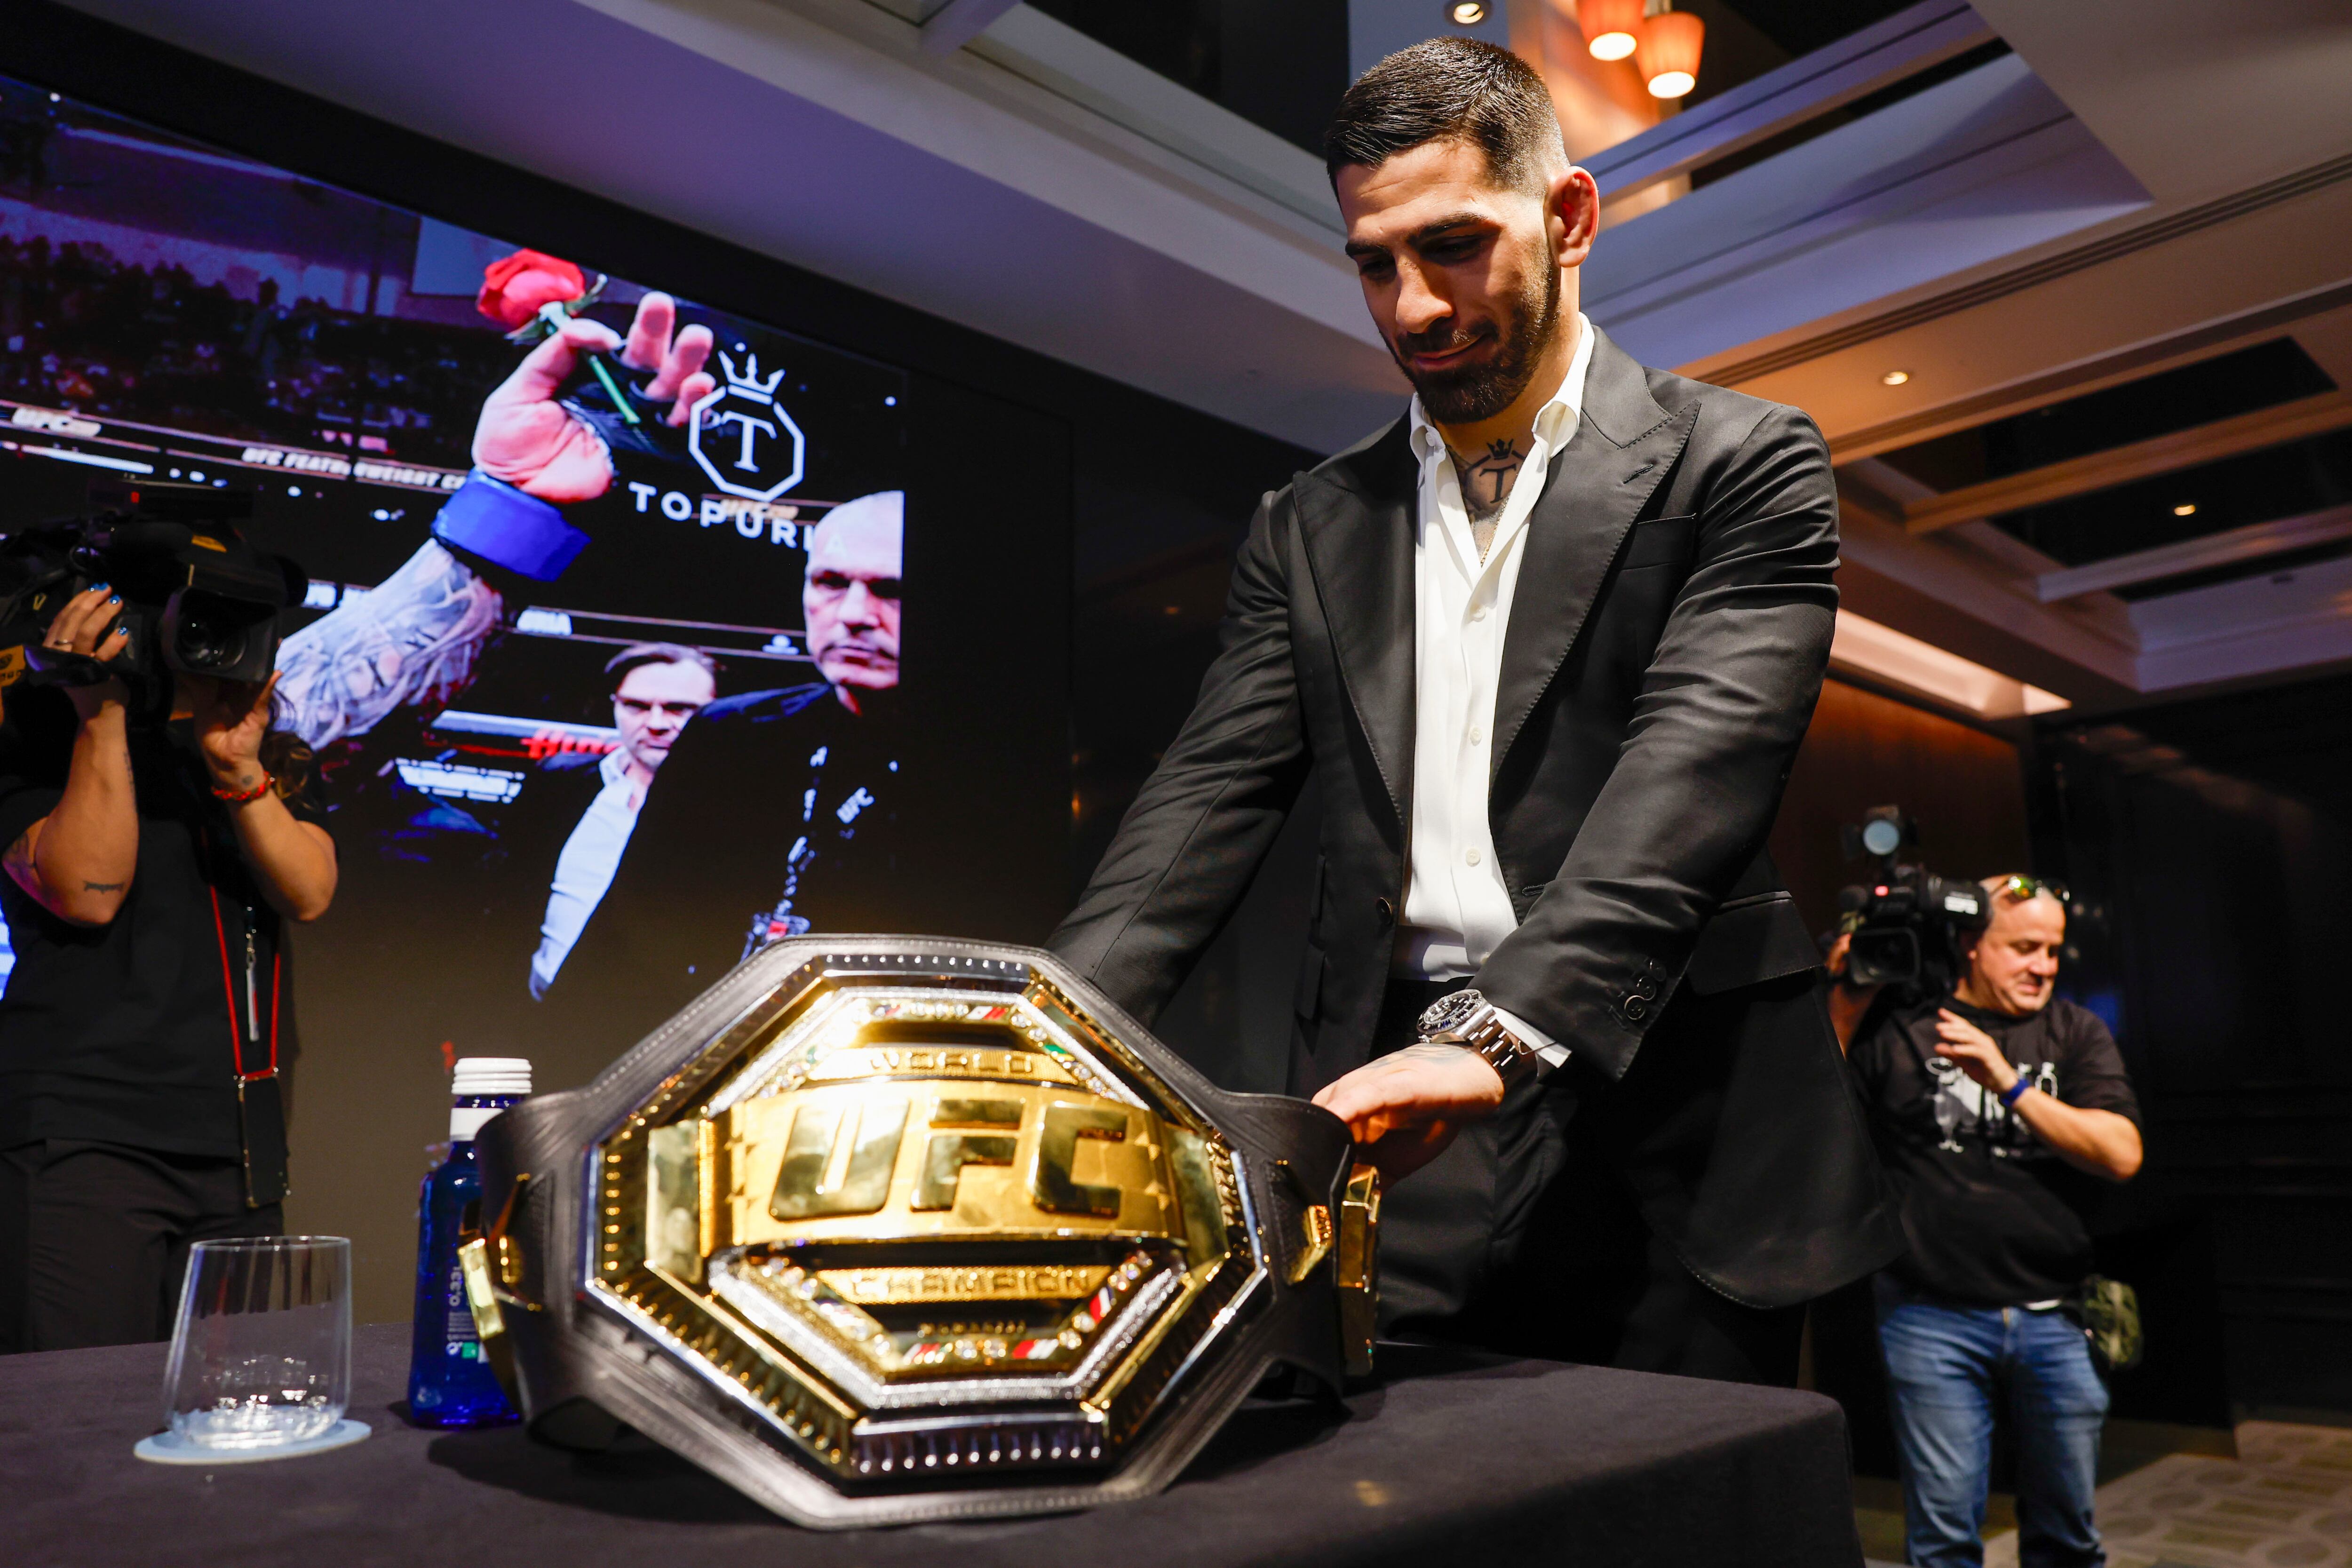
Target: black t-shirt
[123, 1033]
[1993, 1214]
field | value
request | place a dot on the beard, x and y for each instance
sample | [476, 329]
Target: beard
[1473, 393]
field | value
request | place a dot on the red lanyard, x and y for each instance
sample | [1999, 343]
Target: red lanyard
[228, 989]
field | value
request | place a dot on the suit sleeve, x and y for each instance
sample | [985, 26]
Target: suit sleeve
[1188, 848]
[1713, 729]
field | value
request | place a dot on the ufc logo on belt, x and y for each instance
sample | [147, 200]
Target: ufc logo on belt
[900, 1158]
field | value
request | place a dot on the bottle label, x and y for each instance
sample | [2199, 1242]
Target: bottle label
[458, 1336]
[465, 1121]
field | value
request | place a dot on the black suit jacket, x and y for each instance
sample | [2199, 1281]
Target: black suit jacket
[1668, 634]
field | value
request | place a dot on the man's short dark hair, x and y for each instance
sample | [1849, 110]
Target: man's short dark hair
[637, 655]
[1448, 88]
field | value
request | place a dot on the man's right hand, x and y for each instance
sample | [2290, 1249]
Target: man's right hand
[1405, 1108]
[525, 437]
[89, 625]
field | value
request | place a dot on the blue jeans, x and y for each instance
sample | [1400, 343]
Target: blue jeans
[1946, 1366]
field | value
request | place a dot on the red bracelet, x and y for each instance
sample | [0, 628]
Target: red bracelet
[245, 797]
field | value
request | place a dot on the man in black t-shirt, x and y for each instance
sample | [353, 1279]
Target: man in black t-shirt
[1998, 1113]
[147, 865]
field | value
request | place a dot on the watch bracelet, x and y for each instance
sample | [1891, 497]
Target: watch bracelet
[1511, 1058]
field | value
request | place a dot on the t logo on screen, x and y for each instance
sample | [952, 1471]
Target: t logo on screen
[740, 435]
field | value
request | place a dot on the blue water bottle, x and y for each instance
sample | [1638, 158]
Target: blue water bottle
[450, 1383]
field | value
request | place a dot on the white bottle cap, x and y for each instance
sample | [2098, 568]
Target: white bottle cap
[491, 1075]
[481, 1076]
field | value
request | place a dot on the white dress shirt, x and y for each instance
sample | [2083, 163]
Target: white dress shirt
[584, 870]
[1456, 907]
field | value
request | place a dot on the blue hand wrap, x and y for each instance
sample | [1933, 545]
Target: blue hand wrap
[506, 527]
[2016, 1091]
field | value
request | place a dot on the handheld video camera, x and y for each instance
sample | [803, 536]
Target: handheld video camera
[197, 599]
[1906, 923]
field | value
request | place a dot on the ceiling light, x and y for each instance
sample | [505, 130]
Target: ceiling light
[1895, 378]
[1669, 50]
[1467, 13]
[2186, 509]
[1609, 26]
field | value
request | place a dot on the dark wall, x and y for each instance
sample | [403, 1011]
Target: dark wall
[1963, 785]
[2209, 844]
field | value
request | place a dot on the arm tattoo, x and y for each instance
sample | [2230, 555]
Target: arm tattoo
[103, 886]
[412, 639]
[22, 866]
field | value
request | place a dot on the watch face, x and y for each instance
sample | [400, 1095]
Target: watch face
[1450, 1012]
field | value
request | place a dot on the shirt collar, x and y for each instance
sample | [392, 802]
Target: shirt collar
[1556, 421]
[615, 765]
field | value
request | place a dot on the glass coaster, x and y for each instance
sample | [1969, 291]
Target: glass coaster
[169, 1448]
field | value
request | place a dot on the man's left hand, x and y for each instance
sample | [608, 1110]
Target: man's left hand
[231, 717]
[1405, 1108]
[1958, 1040]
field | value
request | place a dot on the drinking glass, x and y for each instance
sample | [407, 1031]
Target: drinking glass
[261, 1354]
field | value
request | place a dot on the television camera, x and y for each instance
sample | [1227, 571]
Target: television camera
[1906, 923]
[197, 598]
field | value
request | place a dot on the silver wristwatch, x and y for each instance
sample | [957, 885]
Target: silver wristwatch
[1468, 1019]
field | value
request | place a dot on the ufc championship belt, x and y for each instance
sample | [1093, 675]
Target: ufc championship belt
[886, 1229]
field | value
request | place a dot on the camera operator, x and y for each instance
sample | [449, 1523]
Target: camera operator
[148, 865]
[1999, 1110]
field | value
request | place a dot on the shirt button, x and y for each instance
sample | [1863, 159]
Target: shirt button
[1479, 614]
[1476, 735]
[1471, 856]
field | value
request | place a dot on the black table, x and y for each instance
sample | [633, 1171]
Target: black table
[1457, 1461]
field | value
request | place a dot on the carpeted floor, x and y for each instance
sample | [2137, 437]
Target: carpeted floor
[2279, 1496]
[2286, 1501]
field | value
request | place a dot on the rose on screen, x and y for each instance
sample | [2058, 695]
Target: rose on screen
[516, 287]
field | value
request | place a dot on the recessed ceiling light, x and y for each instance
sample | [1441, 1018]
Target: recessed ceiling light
[1467, 13]
[1895, 378]
[2186, 509]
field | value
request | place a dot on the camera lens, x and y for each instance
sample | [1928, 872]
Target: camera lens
[206, 643]
[1882, 837]
[1884, 957]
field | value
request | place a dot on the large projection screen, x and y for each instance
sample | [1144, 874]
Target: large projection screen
[796, 661]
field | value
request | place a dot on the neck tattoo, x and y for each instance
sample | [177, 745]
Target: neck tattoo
[1486, 479]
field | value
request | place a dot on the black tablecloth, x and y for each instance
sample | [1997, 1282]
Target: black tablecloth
[1455, 1461]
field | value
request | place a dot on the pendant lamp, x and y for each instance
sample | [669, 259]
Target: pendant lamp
[1611, 27]
[1668, 53]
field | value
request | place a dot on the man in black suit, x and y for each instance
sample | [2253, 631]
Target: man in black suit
[1545, 647]
[656, 689]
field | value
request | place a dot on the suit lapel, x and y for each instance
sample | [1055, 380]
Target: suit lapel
[1357, 517]
[1624, 447]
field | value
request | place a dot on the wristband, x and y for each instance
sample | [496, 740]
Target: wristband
[509, 528]
[2016, 1091]
[245, 797]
